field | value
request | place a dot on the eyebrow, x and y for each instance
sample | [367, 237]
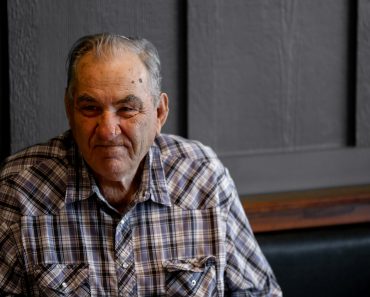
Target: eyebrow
[131, 99]
[85, 98]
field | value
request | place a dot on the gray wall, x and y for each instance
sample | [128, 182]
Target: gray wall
[278, 88]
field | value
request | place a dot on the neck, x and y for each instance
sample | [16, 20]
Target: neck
[119, 194]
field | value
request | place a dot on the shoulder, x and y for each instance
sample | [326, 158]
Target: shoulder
[195, 176]
[55, 150]
[177, 146]
[34, 179]
[191, 154]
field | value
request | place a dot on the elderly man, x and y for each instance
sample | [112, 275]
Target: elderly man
[115, 208]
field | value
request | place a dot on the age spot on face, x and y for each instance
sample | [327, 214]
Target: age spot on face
[140, 80]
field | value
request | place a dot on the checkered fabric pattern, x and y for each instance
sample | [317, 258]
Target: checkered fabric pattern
[186, 233]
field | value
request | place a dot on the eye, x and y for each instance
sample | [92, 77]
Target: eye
[127, 111]
[89, 110]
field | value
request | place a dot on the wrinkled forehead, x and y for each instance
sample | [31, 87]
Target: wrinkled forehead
[126, 64]
[111, 75]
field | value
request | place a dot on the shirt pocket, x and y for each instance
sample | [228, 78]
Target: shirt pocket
[56, 280]
[191, 277]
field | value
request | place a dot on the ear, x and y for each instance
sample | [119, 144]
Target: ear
[162, 111]
[68, 105]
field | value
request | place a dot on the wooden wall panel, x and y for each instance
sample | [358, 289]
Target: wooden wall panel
[41, 33]
[269, 76]
[272, 88]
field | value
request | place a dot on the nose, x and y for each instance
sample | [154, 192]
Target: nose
[108, 126]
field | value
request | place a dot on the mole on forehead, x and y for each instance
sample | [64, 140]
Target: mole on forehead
[140, 81]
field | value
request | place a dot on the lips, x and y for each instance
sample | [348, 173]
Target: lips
[107, 145]
[109, 150]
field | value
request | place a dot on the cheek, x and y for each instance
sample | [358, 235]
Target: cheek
[140, 130]
[149, 125]
[82, 129]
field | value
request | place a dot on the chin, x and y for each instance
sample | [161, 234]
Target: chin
[112, 174]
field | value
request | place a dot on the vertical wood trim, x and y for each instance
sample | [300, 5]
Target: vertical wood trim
[363, 75]
[183, 99]
[4, 83]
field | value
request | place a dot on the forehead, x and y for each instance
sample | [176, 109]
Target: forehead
[118, 68]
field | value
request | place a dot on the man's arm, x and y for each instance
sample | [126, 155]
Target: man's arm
[247, 271]
[11, 272]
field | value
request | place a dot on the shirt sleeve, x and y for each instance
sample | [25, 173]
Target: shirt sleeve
[11, 272]
[247, 272]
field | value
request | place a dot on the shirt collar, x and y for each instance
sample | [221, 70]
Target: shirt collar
[81, 183]
[153, 182]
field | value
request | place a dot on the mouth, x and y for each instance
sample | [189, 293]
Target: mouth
[107, 145]
[109, 148]
[110, 151]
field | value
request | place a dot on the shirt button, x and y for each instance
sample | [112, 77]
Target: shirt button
[193, 282]
[64, 285]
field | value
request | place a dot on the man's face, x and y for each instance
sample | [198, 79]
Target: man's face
[112, 116]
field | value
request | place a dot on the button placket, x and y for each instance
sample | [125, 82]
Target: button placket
[124, 258]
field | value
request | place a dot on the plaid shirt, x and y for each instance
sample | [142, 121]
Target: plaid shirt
[185, 235]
